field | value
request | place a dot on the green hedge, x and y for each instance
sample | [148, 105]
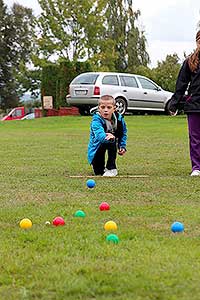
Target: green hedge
[57, 77]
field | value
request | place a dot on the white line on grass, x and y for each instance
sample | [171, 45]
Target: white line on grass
[120, 176]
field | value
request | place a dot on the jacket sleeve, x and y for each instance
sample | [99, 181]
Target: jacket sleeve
[123, 139]
[184, 77]
[99, 132]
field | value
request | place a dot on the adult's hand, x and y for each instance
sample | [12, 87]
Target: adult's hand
[173, 113]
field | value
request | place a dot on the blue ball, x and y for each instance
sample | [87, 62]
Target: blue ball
[177, 227]
[90, 183]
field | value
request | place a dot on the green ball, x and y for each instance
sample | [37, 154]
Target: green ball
[112, 238]
[79, 214]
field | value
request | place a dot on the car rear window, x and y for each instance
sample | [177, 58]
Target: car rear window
[85, 79]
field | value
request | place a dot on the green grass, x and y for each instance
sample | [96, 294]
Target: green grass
[75, 261]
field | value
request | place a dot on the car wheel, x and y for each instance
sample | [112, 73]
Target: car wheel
[121, 105]
[84, 111]
[167, 108]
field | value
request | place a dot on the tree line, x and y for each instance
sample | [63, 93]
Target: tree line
[69, 37]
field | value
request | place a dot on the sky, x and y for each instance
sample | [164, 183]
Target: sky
[170, 26]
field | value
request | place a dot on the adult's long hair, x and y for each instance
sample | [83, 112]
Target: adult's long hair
[194, 58]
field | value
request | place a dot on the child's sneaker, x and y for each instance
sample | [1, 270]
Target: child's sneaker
[195, 173]
[110, 173]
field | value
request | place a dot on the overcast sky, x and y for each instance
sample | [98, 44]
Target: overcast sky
[170, 25]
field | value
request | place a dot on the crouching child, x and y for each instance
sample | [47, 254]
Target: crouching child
[108, 133]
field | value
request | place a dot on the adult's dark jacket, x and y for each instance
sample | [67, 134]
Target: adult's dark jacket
[190, 81]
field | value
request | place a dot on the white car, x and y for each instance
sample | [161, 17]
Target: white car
[132, 92]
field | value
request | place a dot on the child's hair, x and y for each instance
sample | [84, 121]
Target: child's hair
[107, 98]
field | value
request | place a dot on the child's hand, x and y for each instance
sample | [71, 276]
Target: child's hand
[121, 151]
[110, 136]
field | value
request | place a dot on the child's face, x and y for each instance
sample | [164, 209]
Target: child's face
[106, 109]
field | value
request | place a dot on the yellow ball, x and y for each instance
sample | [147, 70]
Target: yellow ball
[110, 226]
[25, 223]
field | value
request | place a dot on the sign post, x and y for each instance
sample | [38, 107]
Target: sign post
[47, 102]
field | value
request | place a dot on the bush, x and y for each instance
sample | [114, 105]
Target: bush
[57, 77]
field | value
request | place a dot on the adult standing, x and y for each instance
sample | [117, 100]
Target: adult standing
[189, 80]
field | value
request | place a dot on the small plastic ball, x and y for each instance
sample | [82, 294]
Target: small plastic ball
[80, 214]
[58, 221]
[177, 227]
[90, 183]
[112, 238]
[104, 206]
[110, 226]
[25, 223]
[47, 223]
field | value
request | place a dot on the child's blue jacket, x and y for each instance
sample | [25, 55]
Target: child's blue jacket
[98, 134]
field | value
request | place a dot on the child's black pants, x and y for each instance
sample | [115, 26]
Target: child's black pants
[98, 162]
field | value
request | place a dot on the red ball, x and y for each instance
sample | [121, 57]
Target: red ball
[104, 206]
[58, 221]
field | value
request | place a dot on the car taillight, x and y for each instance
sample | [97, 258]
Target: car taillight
[96, 90]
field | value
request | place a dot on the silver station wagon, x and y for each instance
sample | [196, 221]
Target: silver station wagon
[131, 92]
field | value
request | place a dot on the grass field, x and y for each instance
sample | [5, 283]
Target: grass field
[75, 261]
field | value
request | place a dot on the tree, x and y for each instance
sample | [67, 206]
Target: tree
[22, 43]
[165, 74]
[129, 41]
[15, 47]
[101, 31]
[7, 84]
[67, 29]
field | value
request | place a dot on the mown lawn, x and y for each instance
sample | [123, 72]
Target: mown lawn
[75, 261]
